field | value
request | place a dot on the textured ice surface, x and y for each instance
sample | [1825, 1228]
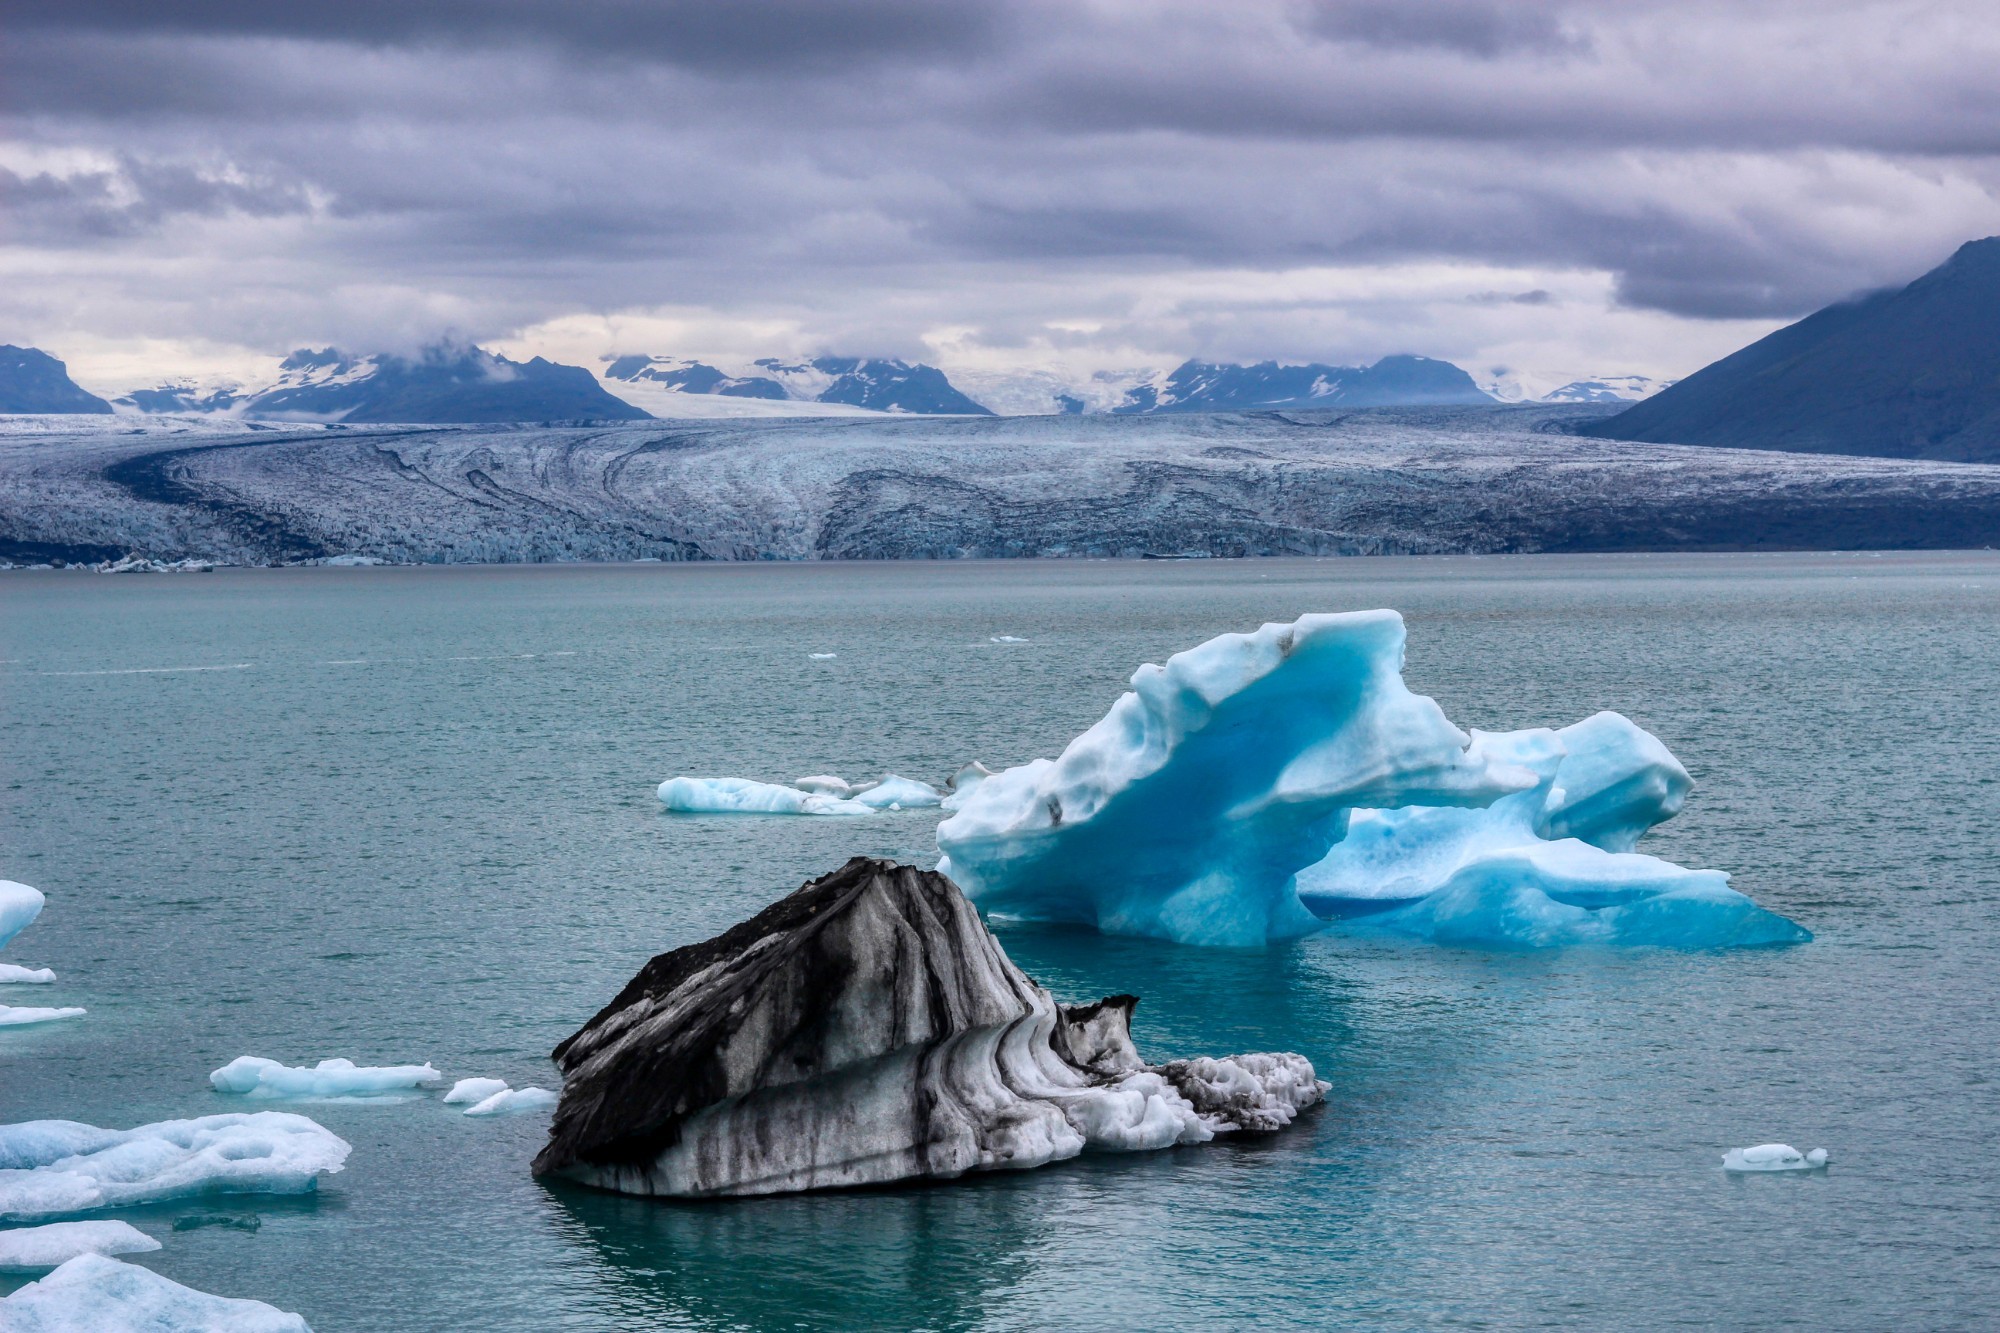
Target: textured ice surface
[49, 1168]
[25, 1249]
[514, 1099]
[1546, 867]
[742, 796]
[19, 905]
[12, 974]
[471, 1090]
[257, 1077]
[93, 1294]
[906, 792]
[1772, 1157]
[1188, 809]
[824, 784]
[15, 1016]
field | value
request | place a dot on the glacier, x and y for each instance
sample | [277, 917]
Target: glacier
[52, 1168]
[93, 1294]
[255, 1076]
[1268, 785]
[1187, 811]
[25, 1249]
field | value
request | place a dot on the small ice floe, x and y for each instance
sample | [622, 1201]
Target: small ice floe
[894, 792]
[470, 1090]
[12, 974]
[19, 905]
[52, 1168]
[514, 1099]
[93, 1294]
[1006, 638]
[822, 657]
[742, 796]
[825, 784]
[1773, 1157]
[12, 1016]
[27, 1249]
[254, 1076]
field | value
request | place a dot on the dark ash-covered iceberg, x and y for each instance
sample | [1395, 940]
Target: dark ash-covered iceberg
[869, 1029]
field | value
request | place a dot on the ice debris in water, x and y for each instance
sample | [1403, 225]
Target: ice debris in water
[50, 1168]
[14, 1016]
[474, 1090]
[1006, 638]
[824, 784]
[93, 1294]
[15, 974]
[742, 796]
[25, 1249]
[19, 905]
[1545, 867]
[1188, 809]
[822, 657]
[255, 1076]
[514, 1099]
[1260, 784]
[905, 792]
[1773, 1157]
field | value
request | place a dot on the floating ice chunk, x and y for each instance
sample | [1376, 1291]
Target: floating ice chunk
[1492, 878]
[1006, 638]
[824, 784]
[19, 905]
[905, 792]
[961, 783]
[515, 1099]
[14, 974]
[1188, 809]
[741, 796]
[14, 1017]
[822, 657]
[474, 1089]
[1772, 1157]
[49, 1168]
[255, 1076]
[93, 1294]
[28, 1248]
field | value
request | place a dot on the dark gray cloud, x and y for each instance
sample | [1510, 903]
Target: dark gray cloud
[878, 167]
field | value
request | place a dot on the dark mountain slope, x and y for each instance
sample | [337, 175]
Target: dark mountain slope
[33, 381]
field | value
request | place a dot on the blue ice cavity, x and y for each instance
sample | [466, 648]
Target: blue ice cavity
[1187, 810]
[1546, 867]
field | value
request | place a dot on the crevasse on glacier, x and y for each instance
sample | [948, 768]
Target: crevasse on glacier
[1261, 784]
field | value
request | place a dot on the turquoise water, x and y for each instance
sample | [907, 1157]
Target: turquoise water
[407, 814]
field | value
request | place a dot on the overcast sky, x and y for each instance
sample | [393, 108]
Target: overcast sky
[1551, 189]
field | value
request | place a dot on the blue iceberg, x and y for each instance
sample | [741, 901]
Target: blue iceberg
[1264, 786]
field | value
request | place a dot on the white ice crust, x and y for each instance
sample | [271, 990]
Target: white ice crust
[14, 1016]
[52, 1168]
[1188, 809]
[19, 905]
[470, 1090]
[255, 1076]
[514, 1099]
[93, 1294]
[27, 1249]
[1773, 1157]
[13, 974]
[743, 796]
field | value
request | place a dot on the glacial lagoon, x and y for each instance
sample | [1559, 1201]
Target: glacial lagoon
[408, 815]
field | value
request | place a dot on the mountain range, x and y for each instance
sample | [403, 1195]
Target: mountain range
[1394, 381]
[876, 384]
[1912, 372]
[33, 381]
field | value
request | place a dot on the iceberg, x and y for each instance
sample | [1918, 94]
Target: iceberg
[470, 1090]
[742, 796]
[254, 1076]
[51, 1168]
[869, 1029]
[905, 792]
[93, 1294]
[12, 1016]
[12, 974]
[1773, 1157]
[514, 1099]
[26, 1249]
[19, 905]
[1547, 867]
[824, 784]
[1188, 810]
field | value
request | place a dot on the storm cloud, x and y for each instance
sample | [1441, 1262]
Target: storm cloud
[1009, 184]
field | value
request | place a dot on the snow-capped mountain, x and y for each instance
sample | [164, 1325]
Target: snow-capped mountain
[1608, 389]
[1394, 381]
[33, 381]
[876, 384]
